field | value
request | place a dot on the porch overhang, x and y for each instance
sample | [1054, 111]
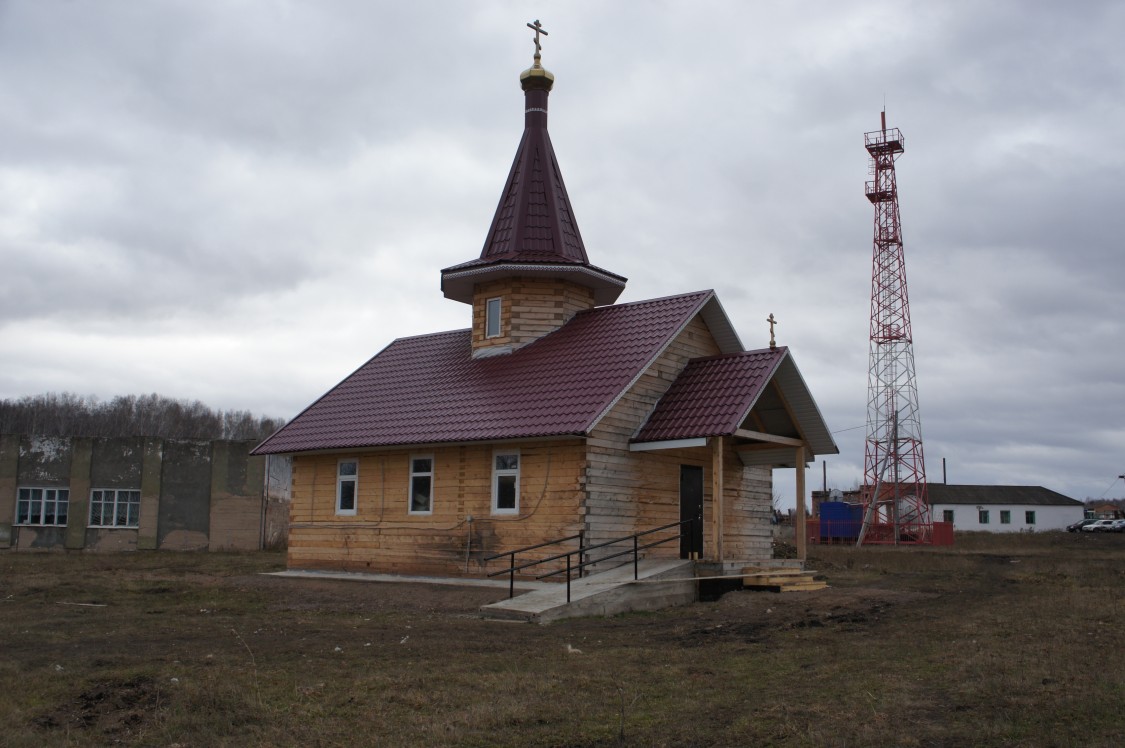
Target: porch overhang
[772, 457]
[668, 444]
[754, 448]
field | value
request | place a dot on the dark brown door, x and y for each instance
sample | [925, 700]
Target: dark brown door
[691, 507]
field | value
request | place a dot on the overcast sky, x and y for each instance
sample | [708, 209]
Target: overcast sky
[241, 201]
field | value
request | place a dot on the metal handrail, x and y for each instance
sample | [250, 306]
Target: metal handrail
[570, 568]
[512, 568]
[634, 536]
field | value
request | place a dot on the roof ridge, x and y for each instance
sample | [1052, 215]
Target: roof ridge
[431, 334]
[706, 292]
[737, 354]
[990, 485]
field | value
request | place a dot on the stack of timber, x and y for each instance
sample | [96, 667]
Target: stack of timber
[781, 580]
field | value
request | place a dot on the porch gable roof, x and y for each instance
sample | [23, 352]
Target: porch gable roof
[714, 395]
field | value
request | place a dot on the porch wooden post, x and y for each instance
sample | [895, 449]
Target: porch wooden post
[717, 494]
[800, 530]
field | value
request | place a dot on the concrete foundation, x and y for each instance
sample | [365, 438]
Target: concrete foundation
[659, 584]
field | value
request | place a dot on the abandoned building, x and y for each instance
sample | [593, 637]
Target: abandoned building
[557, 413]
[139, 493]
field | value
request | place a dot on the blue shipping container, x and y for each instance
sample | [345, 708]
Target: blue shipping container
[839, 521]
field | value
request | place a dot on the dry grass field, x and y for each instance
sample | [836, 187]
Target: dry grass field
[997, 641]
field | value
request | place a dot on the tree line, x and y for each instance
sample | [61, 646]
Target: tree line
[67, 414]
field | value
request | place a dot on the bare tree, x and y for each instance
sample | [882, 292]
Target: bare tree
[68, 414]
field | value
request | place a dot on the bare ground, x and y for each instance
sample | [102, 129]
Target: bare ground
[998, 641]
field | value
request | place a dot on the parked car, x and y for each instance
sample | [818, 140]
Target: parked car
[1117, 526]
[1101, 525]
[1079, 525]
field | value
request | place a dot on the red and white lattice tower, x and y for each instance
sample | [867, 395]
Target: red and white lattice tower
[894, 491]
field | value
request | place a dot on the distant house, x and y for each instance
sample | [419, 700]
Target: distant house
[1002, 508]
[1107, 511]
[557, 412]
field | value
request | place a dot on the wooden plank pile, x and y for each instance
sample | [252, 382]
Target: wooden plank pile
[781, 580]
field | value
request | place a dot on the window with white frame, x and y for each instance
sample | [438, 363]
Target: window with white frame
[506, 482]
[492, 318]
[115, 507]
[1005, 517]
[1029, 518]
[422, 484]
[982, 516]
[347, 483]
[42, 506]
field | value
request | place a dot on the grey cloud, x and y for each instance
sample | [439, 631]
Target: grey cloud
[274, 181]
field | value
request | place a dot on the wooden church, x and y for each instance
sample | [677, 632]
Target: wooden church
[557, 412]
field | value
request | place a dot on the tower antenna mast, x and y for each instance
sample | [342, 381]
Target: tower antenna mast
[894, 479]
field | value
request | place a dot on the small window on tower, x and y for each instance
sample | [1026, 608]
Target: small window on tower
[492, 318]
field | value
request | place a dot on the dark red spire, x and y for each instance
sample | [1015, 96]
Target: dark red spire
[533, 229]
[534, 220]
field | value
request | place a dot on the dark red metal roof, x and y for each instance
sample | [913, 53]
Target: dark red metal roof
[429, 389]
[712, 396]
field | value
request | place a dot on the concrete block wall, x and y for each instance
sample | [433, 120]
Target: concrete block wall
[194, 494]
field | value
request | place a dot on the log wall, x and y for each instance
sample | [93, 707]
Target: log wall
[384, 536]
[633, 491]
[529, 309]
[596, 485]
[748, 506]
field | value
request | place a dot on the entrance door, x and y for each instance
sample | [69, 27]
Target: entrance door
[691, 507]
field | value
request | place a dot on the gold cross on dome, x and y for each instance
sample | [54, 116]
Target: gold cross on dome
[772, 321]
[538, 29]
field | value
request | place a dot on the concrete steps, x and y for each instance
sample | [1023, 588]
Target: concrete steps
[659, 584]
